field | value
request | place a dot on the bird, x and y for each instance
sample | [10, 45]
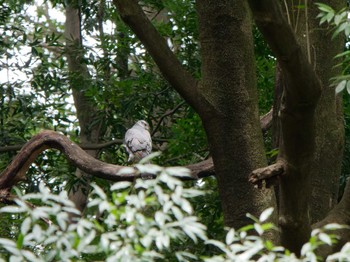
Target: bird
[138, 141]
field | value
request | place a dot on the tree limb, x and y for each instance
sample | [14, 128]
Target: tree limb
[169, 112]
[266, 121]
[78, 157]
[181, 80]
[301, 93]
[298, 71]
[269, 174]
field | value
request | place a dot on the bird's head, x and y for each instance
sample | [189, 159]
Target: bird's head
[143, 124]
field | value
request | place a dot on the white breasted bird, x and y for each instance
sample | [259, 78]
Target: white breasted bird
[138, 141]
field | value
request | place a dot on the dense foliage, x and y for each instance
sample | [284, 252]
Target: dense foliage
[143, 221]
[153, 219]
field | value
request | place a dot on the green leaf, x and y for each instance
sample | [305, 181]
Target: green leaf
[20, 241]
[324, 7]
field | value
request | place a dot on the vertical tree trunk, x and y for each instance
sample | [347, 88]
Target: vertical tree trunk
[79, 81]
[326, 166]
[229, 107]
[329, 137]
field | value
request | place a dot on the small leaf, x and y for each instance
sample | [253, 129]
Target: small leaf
[333, 226]
[20, 241]
[340, 87]
[348, 86]
[325, 238]
[258, 229]
[120, 185]
[230, 236]
[178, 171]
[26, 225]
[266, 214]
[218, 244]
[148, 158]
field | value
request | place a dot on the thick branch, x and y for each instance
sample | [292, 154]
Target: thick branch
[78, 157]
[301, 94]
[304, 88]
[169, 65]
[266, 121]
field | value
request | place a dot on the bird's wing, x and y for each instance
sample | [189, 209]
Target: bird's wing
[138, 140]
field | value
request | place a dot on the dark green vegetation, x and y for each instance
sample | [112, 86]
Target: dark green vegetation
[202, 90]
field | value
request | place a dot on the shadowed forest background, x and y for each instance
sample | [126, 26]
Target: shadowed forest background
[247, 95]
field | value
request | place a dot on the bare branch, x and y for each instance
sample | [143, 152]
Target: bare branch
[269, 174]
[76, 156]
[170, 112]
[266, 121]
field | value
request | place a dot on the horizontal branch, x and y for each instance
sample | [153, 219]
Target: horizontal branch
[265, 124]
[85, 146]
[269, 174]
[17, 169]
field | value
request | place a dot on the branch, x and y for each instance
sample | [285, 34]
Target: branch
[181, 80]
[265, 124]
[269, 174]
[85, 146]
[266, 121]
[76, 156]
[304, 86]
[170, 112]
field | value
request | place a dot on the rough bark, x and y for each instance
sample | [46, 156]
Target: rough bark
[230, 117]
[340, 214]
[301, 93]
[79, 80]
[225, 99]
[329, 137]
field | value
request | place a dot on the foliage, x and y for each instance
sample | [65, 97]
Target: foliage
[142, 221]
[339, 21]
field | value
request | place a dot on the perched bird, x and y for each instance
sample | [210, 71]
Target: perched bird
[138, 141]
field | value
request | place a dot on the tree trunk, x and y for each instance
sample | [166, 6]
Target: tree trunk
[86, 112]
[229, 112]
[301, 92]
[329, 140]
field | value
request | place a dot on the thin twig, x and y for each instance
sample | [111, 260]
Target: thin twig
[165, 115]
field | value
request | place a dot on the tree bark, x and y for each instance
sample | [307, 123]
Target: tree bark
[329, 137]
[79, 81]
[230, 117]
[301, 93]
[16, 171]
[225, 98]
